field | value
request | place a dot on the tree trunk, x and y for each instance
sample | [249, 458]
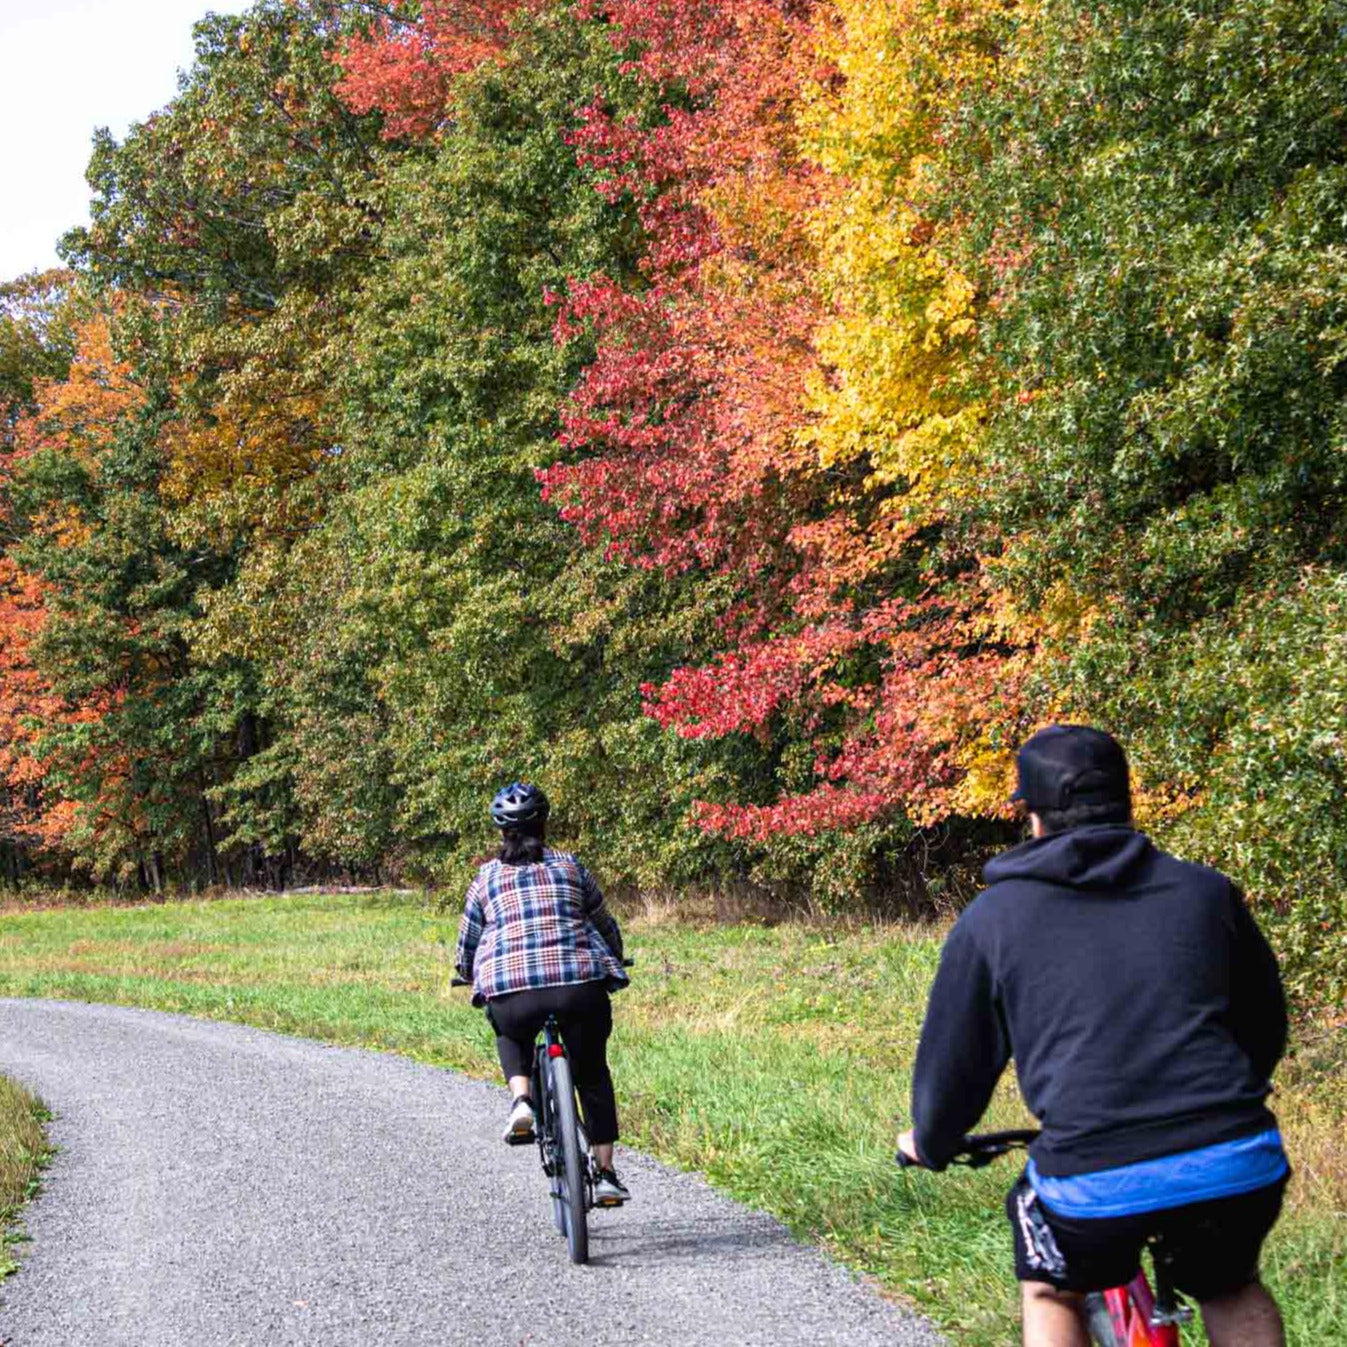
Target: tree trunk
[212, 856]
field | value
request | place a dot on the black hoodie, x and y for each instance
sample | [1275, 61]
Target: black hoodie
[1140, 1002]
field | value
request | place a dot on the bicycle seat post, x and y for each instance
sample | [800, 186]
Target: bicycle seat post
[1169, 1306]
[551, 1035]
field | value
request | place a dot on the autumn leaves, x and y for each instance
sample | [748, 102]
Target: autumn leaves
[746, 415]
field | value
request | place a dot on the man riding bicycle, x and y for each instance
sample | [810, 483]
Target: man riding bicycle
[536, 939]
[1145, 1014]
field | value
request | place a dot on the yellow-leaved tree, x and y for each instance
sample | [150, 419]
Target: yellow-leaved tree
[899, 398]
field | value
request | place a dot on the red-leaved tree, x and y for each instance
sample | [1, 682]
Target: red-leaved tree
[404, 65]
[691, 446]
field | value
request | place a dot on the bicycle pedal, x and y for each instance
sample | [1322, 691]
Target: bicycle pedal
[521, 1139]
[610, 1202]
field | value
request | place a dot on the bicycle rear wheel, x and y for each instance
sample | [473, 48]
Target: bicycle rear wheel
[572, 1175]
[1099, 1322]
[547, 1138]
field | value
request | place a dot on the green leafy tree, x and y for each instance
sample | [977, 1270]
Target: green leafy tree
[1155, 202]
[228, 235]
[38, 314]
[497, 645]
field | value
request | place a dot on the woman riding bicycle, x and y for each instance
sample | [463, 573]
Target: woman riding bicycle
[536, 940]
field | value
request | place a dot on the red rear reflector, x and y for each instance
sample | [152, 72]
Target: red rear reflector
[555, 1050]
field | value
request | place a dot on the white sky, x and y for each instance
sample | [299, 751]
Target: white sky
[67, 66]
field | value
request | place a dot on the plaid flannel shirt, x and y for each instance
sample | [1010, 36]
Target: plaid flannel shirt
[530, 926]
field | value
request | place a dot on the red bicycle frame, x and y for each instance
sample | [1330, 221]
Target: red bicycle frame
[1130, 1308]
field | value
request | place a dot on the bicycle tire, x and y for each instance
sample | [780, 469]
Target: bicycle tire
[1099, 1322]
[572, 1174]
[547, 1139]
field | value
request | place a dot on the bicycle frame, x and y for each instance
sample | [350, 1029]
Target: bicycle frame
[1136, 1315]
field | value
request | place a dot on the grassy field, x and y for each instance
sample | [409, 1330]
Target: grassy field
[23, 1150]
[773, 1059]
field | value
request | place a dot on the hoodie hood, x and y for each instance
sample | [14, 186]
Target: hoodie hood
[1102, 856]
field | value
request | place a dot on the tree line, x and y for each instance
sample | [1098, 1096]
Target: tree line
[747, 417]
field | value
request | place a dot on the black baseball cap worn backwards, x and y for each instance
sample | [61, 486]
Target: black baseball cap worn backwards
[1064, 765]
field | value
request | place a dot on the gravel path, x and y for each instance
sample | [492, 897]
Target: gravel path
[220, 1185]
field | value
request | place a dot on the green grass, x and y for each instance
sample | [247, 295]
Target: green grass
[774, 1060]
[23, 1152]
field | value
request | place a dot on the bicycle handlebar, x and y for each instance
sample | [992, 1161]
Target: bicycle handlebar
[981, 1148]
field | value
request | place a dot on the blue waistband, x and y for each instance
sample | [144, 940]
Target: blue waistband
[1224, 1170]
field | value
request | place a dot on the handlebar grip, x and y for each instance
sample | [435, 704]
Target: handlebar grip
[628, 963]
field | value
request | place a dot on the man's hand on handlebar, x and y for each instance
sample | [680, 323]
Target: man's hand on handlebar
[977, 1150]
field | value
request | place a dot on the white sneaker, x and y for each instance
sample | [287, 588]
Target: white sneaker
[519, 1130]
[609, 1190]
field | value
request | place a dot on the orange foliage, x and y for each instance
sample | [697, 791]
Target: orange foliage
[76, 418]
[403, 68]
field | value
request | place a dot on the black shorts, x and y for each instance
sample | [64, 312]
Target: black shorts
[1212, 1247]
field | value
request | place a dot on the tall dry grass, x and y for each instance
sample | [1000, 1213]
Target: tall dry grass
[23, 1149]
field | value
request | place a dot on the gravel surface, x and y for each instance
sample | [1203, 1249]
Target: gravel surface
[220, 1185]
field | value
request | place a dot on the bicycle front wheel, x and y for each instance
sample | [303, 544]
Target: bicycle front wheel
[572, 1176]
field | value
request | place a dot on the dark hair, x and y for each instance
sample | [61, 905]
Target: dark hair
[1084, 814]
[522, 844]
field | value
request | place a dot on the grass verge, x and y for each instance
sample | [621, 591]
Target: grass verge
[773, 1059]
[23, 1152]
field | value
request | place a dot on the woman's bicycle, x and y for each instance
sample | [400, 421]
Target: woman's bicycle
[1122, 1316]
[563, 1145]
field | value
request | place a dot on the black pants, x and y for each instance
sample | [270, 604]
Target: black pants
[585, 1016]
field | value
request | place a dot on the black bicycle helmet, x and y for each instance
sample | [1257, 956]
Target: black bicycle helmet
[519, 803]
